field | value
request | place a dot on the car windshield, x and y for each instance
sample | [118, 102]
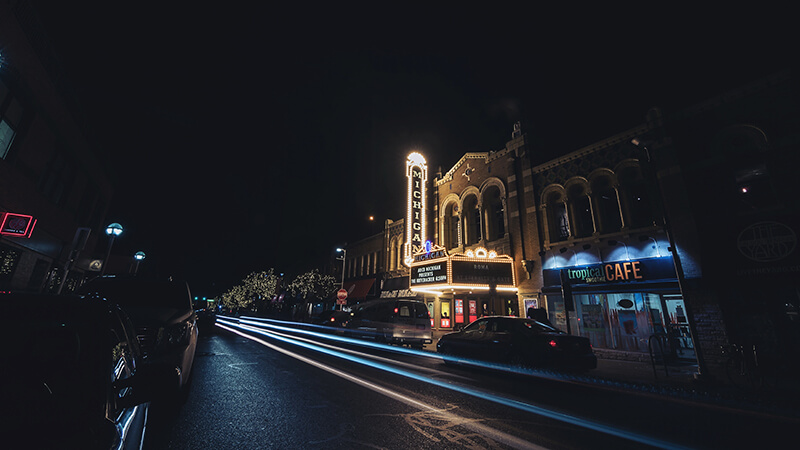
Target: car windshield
[136, 292]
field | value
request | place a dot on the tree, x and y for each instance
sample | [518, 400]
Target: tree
[261, 287]
[312, 286]
[236, 298]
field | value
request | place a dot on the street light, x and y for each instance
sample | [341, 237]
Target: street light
[139, 257]
[343, 258]
[112, 231]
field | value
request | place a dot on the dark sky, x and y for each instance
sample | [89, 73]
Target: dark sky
[250, 137]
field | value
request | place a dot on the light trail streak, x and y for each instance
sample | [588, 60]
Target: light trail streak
[519, 405]
[497, 435]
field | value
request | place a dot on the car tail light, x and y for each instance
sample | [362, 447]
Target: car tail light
[553, 343]
[333, 319]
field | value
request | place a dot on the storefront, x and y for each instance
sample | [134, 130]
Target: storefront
[459, 288]
[621, 305]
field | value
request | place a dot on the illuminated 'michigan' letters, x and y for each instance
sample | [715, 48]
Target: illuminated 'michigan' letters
[417, 174]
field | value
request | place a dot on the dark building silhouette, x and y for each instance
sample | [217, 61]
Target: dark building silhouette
[54, 189]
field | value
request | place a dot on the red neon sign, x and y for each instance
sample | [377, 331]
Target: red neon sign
[20, 225]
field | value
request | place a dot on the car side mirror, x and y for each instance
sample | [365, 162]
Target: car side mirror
[150, 382]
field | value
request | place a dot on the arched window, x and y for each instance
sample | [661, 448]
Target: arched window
[557, 218]
[580, 208]
[450, 226]
[494, 214]
[393, 254]
[634, 197]
[605, 198]
[400, 254]
[472, 220]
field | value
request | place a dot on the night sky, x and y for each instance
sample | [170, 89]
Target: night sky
[244, 138]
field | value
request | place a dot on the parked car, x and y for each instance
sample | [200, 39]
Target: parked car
[393, 321]
[519, 341]
[161, 311]
[72, 374]
[206, 315]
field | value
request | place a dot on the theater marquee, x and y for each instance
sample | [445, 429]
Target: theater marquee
[436, 269]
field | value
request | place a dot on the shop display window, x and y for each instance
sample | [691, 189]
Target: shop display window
[445, 318]
[617, 321]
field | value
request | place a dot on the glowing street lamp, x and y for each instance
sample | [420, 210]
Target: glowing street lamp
[112, 231]
[139, 257]
[343, 258]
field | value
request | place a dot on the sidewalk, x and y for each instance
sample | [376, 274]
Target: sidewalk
[676, 382]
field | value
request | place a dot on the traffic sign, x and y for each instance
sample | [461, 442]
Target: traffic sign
[341, 294]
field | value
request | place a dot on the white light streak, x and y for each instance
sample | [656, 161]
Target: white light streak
[533, 409]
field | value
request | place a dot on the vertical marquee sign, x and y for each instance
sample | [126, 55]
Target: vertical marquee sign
[417, 174]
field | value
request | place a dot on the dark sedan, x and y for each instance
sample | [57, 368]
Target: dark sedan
[162, 312]
[72, 374]
[519, 341]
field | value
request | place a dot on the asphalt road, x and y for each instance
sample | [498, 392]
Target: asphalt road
[263, 391]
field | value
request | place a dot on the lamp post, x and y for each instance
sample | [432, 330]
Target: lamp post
[344, 257]
[113, 230]
[139, 257]
[651, 173]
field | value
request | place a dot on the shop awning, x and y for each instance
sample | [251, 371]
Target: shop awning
[358, 289]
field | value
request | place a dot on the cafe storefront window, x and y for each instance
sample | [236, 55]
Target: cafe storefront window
[616, 321]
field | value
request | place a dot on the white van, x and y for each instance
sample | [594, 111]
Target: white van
[393, 321]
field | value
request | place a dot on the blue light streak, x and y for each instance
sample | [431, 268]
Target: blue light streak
[538, 410]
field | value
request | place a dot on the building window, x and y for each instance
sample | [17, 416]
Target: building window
[580, 210]
[635, 198]
[557, 218]
[494, 213]
[608, 213]
[450, 226]
[472, 219]
[6, 138]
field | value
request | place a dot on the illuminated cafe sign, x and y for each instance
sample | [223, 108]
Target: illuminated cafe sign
[20, 225]
[435, 273]
[614, 272]
[417, 174]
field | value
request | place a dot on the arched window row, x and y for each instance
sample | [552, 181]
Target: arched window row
[474, 216]
[606, 201]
